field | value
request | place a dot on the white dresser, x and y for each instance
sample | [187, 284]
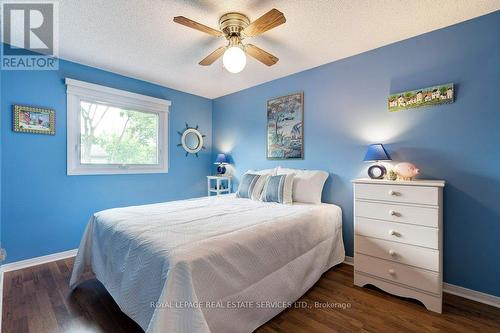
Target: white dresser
[398, 238]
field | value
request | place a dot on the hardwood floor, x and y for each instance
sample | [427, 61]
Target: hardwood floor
[37, 300]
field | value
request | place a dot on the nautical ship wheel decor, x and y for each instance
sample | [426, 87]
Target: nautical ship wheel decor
[191, 140]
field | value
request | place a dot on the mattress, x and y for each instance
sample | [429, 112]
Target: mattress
[212, 264]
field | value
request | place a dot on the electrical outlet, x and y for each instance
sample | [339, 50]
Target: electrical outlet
[3, 254]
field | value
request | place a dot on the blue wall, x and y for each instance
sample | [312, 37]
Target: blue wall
[345, 110]
[45, 211]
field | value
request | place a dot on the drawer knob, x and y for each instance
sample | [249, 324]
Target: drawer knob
[393, 193]
[393, 213]
[393, 232]
[392, 272]
[392, 252]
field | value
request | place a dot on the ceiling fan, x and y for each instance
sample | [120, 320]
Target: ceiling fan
[235, 27]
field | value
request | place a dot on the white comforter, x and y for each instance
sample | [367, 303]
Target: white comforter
[218, 264]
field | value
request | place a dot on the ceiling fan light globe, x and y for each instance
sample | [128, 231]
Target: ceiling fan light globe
[234, 59]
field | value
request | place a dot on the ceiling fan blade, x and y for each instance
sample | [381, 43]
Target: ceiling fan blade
[213, 56]
[269, 20]
[198, 26]
[264, 57]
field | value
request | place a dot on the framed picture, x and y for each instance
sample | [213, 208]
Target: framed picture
[34, 120]
[285, 130]
[441, 94]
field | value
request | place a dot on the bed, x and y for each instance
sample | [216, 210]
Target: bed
[212, 264]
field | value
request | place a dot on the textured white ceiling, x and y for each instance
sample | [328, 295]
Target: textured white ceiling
[137, 38]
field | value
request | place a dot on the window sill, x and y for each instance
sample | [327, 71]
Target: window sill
[113, 171]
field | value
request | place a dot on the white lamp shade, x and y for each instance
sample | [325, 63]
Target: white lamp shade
[234, 59]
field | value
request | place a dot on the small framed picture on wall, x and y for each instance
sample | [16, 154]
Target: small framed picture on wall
[29, 119]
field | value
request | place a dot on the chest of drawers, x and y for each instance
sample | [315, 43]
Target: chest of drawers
[398, 238]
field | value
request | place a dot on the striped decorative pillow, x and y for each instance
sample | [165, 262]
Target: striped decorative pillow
[251, 185]
[278, 189]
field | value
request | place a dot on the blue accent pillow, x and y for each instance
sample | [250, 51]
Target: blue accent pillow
[247, 185]
[278, 189]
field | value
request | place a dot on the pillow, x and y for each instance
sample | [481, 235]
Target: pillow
[307, 184]
[278, 189]
[271, 172]
[251, 186]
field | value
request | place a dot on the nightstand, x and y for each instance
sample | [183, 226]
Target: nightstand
[218, 184]
[398, 238]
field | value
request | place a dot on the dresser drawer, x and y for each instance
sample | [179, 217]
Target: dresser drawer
[392, 271]
[403, 253]
[398, 193]
[398, 232]
[398, 213]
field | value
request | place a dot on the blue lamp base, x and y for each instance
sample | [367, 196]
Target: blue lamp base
[221, 169]
[377, 171]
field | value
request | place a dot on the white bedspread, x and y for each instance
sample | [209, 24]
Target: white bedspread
[218, 264]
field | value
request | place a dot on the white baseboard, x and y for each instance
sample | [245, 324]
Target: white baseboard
[472, 294]
[349, 261]
[457, 290]
[14, 266]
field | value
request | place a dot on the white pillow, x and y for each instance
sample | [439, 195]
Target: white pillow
[271, 172]
[307, 184]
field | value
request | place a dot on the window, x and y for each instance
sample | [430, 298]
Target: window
[113, 131]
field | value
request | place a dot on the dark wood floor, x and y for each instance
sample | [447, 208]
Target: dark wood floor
[37, 300]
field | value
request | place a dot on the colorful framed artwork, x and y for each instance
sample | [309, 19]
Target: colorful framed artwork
[441, 94]
[285, 130]
[34, 120]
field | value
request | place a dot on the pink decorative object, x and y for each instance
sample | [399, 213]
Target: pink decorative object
[406, 170]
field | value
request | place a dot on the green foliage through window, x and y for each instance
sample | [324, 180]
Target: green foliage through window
[111, 135]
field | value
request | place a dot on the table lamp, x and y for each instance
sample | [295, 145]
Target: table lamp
[375, 153]
[221, 161]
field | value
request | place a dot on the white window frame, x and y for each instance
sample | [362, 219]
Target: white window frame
[78, 91]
